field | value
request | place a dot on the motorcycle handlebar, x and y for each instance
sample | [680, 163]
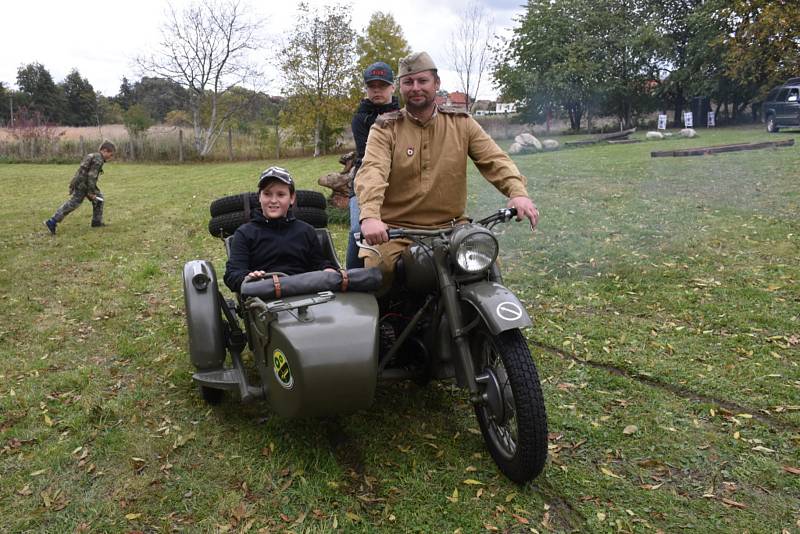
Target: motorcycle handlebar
[504, 215]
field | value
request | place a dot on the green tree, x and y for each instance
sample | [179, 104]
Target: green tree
[5, 104]
[125, 97]
[81, 101]
[574, 54]
[626, 31]
[763, 47]
[552, 61]
[159, 96]
[41, 94]
[109, 110]
[382, 40]
[318, 66]
[136, 120]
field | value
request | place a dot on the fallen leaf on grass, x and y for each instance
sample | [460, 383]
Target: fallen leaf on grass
[630, 429]
[759, 448]
[131, 517]
[734, 504]
[521, 519]
[788, 469]
[454, 496]
[27, 490]
[608, 472]
[353, 517]
[473, 482]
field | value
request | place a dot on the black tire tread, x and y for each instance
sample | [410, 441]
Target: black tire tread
[233, 203]
[531, 453]
[226, 224]
[212, 396]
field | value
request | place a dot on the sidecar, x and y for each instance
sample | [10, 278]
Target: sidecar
[311, 354]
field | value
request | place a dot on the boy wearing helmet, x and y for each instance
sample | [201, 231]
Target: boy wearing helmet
[274, 241]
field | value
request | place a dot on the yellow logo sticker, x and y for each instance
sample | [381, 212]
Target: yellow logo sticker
[281, 367]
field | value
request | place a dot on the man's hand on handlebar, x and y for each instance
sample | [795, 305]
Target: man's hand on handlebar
[373, 231]
[525, 208]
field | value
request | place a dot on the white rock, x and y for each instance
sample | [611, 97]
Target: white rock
[688, 132]
[550, 144]
[515, 148]
[654, 135]
[528, 140]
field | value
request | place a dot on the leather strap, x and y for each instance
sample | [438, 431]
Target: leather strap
[277, 282]
[345, 280]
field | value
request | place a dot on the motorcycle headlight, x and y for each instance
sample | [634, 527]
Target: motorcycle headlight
[474, 249]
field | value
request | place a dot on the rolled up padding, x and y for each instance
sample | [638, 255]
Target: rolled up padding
[313, 282]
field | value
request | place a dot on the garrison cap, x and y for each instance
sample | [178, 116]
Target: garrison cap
[416, 62]
[379, 71]
[275, 174]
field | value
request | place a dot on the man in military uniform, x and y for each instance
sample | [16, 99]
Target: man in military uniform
[84, 185]
[414, 172]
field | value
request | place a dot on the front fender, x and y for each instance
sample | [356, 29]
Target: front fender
[203, 315]
[499, 308]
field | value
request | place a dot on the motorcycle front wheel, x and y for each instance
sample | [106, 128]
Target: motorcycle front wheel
[512, 415]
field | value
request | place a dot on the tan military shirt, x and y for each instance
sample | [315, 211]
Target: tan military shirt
[414, 174]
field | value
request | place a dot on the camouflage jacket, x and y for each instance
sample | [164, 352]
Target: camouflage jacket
[85, 179]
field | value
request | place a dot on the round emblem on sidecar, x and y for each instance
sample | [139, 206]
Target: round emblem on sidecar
[508, 311]
[281, 367]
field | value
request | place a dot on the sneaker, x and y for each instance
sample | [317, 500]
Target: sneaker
[97, 224]
[51, 225]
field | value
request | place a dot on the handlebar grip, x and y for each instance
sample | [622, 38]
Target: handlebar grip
[393, 234]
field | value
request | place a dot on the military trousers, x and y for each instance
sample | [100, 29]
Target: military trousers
[74, 201]
[385, 260]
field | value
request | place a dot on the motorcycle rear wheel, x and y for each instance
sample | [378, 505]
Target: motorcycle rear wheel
[514, 426]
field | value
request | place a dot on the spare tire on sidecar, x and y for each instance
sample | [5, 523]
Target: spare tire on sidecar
[313, 337]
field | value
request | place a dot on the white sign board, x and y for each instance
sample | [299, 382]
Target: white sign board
[711, 119]
[662, 122]
[687, 119]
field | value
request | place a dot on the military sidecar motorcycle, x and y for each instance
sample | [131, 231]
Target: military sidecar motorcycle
[324, 350]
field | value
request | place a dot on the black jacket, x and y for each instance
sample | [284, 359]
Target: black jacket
[273, 245]
[363, 119]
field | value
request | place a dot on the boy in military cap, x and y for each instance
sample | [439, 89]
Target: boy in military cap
[379, 88]
[274, 241]
[84, 185]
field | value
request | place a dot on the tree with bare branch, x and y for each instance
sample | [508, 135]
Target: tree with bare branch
[206, 48]
[469, 48]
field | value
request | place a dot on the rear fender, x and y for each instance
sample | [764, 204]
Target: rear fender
[499, 308]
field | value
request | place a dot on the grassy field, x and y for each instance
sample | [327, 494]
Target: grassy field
[666, 305]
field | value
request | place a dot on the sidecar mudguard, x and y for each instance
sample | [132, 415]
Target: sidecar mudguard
[499, 308]
[323, 361]
[203, 319]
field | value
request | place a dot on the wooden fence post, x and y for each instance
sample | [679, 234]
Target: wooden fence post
[180, 144]
[230, 144]
[81, 147]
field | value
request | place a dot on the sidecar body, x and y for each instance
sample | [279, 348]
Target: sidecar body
[313, 354]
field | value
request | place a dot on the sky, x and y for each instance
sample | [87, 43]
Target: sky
[102, 38]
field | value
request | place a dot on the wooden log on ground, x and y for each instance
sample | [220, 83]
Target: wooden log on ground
[602, 137]
[623, 141]
[702, 151]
